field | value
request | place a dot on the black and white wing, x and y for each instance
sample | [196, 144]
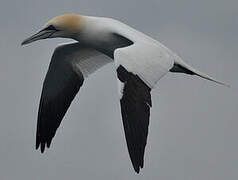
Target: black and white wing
[139, 67]
[69, 66]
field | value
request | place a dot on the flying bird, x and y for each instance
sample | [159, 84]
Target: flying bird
[140, 62]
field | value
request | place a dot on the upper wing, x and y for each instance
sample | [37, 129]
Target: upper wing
[139, 67]
[150, 62]
[69, 65]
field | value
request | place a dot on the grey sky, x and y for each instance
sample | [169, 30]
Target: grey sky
[193, 127]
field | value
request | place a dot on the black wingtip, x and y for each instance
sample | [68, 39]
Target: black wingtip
[137, 168]
[42, 147]
[48, 143]
[42, 144]
[142, 164]
[37, 143]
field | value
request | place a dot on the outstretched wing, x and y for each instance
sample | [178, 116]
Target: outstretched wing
[69, 66]
[139, 67]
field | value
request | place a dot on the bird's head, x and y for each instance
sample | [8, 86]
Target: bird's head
[65, 26]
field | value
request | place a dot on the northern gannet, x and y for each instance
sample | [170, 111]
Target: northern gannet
[140, 62]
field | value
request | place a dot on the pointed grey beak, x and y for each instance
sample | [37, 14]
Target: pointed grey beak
[43, 34]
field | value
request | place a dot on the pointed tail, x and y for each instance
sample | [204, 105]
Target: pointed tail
[191, 70]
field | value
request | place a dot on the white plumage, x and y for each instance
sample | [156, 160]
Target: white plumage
[140, 61]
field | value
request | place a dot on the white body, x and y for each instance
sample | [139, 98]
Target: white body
[140, 61]
[147, 57]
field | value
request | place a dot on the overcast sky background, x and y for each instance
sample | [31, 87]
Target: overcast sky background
[194, 126]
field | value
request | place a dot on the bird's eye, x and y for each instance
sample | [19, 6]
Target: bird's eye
[50, 27]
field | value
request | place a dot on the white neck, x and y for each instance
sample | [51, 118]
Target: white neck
[95, 29]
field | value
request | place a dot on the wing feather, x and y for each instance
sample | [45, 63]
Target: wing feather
[70, 65]
[139, 67]
[135, 110]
